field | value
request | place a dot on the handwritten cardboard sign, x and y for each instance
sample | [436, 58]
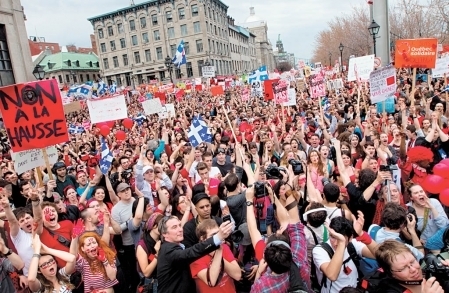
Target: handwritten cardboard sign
[33, 115]
[280, 91]
[30, 159]
[72, 107]
[256, 88]
[364, 65]
[382, 84]
[107, 109]
[152, 106]
[166, 110]
[416, 53]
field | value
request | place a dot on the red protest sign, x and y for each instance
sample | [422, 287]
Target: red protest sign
[280, 91]
[26, 109]
[268, 88]
[317, 85]
[161, 96]
[217, 90]
[416, 53]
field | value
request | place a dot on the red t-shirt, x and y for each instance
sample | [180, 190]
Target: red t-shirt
[213, 186]
[225, 285]
[54, 240]
[259, 249]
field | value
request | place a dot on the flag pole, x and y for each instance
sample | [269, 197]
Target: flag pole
[233, 133]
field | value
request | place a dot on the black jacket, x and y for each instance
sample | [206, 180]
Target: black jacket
[173, 265]
[190, 238]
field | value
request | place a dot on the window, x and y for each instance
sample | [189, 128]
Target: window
[213, 14]
[81, 78]
[103, 47]
[147, 55]
[178, 73]
[172, 50]
[87, 77]
[122, 43]
[207, 26]
[184, 30]
[213, 47]
[199, 46]
[157, 36]
[100, 33]
[110, 31]
[215, 29]
[171, 32]
[143, 22]
[75, 80]
[134, 40]
[159, 53]
[115, 61]
[120, 28]
[137, 57]
[105, 63]
[168, 16]
[112, 45]
[194, 10]
[60, 79]
[67, 78]
[69, 63]
[197, 27]
[186, 48]
[189, 69]
[132, 25]
[145, 38]
[181, 13]
[125, 59]
[154, 19]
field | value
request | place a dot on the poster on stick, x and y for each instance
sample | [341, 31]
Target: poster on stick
[441, 67]
[30, 159]
[317, 85]
[33, 115]
[364, 66]
[72, 107]
[416, 53]
[152, 106]
[107, 109]
[382, 84]
[291, 94]
[280, 91]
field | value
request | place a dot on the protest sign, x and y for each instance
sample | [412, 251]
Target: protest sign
[216, 90]
[317, 85]
[107, 109]
[72, 107]
[166, 109]
[26, 114]
[388, 105]
[416, 53]
[152, 106]
[382, 84]
[364, 65]
[300, 84]
[307, 71]
[30, 159]
[334, 84]
[256, 88]
[245, 95]
[441, 67]
[268, 89]
[291, 95]
[208, 71]
[280, 91]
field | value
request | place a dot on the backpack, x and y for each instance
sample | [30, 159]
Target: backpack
[260, 211]
[313, 277]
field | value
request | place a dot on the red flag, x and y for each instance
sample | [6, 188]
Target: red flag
[217, 90]
[269, 95]
[179, 94]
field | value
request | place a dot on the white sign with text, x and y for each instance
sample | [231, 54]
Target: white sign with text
[361, 66]
[107, 109]
[30, 159]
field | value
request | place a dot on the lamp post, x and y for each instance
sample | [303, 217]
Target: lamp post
[373, 31]
[169, 66]
[39, 72]
[72, 73]
[341, 47]
[330, 59]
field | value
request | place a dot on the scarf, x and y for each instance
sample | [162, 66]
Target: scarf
[380, 205]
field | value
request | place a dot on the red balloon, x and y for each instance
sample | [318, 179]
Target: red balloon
[433, 184]
[105, 130]
[111, 124]
[120, 135]
[442, 170]
[445, 161]
[444, 197]
[128, 123]
[446, 183]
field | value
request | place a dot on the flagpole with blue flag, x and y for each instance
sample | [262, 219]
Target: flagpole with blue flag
[106, 157]
[180, 55]
[199, 132]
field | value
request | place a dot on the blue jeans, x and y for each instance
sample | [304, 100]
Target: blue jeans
[152, 281]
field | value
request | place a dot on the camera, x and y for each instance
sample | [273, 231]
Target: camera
[274, 172]
[296, 166]
[387, 168]
[432, 267]
[260, 189]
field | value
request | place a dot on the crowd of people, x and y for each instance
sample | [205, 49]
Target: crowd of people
[328, 195]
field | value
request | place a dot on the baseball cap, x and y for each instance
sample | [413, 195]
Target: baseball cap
[146, 168]
[122, 186]
[199, 196]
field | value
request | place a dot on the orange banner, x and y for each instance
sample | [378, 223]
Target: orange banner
[416, 53]
[217, 90]
[33, 115]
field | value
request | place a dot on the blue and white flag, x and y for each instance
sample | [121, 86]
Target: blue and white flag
[106, 157]
[101, 88]
[180, 55]
[113, 88]
[260, 74]
[199, 132]
[139, 119]
[73, 129]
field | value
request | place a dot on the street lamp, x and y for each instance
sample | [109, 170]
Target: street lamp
[72, 73]
[341, 47]
[207, 63]
[39, 72]
[330, 59]
[169, 65]
[374, 30]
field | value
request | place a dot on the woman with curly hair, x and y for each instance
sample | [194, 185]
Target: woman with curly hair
[316, 169]
[96, 262]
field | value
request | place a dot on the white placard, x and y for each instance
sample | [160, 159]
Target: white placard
[107, 109]
[152, 106]
[291, 94]
[167, 108]
[208, 71]
[256, 88]
[334, 84]
[382, 84]
[288, 77]
[441, 67]
[364, 65]
[30, 159]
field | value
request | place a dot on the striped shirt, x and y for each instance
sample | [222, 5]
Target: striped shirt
[93, 281]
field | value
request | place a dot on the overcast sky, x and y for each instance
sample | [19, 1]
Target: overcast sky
[298, 22]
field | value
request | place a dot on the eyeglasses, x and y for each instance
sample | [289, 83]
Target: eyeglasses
[407, 267]
[47, 264]
[221, 150]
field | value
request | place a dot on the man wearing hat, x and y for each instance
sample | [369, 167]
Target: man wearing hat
[203, 208]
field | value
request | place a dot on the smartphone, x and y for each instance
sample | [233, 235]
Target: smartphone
[227, 218]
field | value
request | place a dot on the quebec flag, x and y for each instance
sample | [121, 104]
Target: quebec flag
[113, 88]
[199, 132]
[180, 55]
[106, 157]
[260, 74]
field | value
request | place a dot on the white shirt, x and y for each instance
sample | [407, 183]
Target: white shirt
[193, 173]
[22, 241]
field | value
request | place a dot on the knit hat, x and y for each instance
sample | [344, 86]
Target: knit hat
[152, 220]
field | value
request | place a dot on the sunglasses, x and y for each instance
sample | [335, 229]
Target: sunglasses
[221, 150]
[47, 264]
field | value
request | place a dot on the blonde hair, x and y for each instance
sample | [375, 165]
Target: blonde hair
[387, 252]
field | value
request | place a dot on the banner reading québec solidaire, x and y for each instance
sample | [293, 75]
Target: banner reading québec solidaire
[416, 53]
[33, 115]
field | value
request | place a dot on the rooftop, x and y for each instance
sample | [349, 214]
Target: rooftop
[70, 61]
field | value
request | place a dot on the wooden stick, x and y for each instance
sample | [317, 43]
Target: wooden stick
[39, 177]
[233, 133]
[47, 163]
[412, 98]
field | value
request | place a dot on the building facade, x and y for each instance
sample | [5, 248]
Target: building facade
[242, 44]
[133, 42]
[15, 56]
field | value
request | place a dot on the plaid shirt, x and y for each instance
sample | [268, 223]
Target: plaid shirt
[280, 283]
